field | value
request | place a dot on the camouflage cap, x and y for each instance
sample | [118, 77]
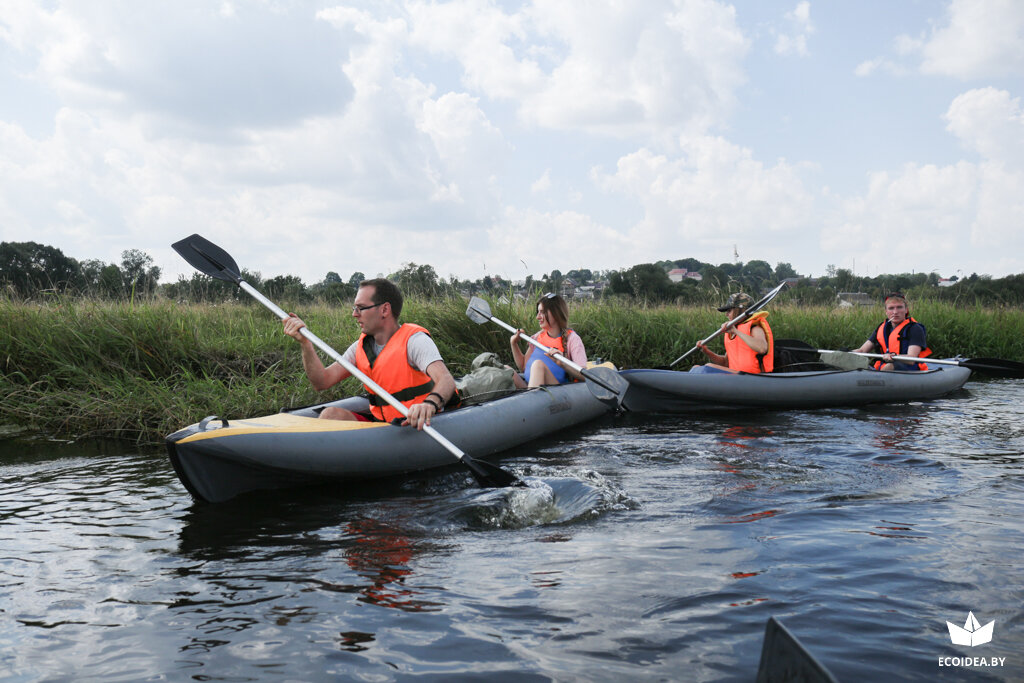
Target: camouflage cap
[740, 300]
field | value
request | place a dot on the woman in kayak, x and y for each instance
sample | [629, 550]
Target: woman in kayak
[898, 335]
[748, 342]
[539, 368]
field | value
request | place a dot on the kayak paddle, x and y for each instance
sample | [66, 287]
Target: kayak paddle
[996, 367]
[207, 257]
[605, 384]
[736, 321]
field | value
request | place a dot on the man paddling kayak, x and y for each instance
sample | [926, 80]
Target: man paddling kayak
[899, 335]
[401, 358]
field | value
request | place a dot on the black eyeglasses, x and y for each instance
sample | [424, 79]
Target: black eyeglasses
[357, 309]
[549, 295]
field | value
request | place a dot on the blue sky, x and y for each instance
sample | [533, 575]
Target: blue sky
[516, 138]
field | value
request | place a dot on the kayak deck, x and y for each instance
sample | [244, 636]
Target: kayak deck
[218, 459]
[672, 391]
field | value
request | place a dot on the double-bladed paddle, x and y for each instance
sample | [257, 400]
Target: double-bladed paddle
[208, 258]
[605, 384]
[996, 367]
[754, 308]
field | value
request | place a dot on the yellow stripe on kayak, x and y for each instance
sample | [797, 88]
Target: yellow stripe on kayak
[280, 423]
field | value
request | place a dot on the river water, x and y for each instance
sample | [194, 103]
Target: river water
[647, 548]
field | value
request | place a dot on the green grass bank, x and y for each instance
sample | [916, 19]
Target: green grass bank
[74, 368]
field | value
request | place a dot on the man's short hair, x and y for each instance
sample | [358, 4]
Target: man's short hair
[895, 295]
[385, 291]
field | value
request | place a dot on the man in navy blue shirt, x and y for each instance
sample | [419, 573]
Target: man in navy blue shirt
[898, 335]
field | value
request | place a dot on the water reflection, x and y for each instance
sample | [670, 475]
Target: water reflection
[382, 554]
[897, 434]
[379, 550]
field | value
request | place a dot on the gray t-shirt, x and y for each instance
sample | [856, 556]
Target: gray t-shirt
[421, 351]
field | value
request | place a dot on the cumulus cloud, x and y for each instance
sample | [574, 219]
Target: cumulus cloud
[945, 213]
[714, 194]
[976, 39]
[187, 63]
[618, 69]
[557, 239]
[801, 27]
[983, 38]
[990, 122]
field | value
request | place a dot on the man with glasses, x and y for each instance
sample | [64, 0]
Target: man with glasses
[400, 357]
[898, 335]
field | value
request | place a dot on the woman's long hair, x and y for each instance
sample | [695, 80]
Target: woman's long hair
[556, 309]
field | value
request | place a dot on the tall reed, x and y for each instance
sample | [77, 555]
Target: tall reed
[77, 368]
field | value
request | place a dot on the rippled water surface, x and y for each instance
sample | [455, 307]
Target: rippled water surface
[646, 548]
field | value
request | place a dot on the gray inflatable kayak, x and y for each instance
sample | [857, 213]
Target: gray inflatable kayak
[672, 391]
[218, 459]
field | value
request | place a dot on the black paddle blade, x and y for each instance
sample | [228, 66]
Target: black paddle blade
[606, 385]
[208, 258]
[490, 475]
[784, 658]
[995, 367]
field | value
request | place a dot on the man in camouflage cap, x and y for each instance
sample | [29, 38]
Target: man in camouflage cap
[748, 340]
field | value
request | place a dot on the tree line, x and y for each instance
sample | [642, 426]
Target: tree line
[30, 270]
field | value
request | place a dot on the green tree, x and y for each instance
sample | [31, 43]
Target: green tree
[783, 271]
[288, 287]
[581, 275]
[755, 275]
[111, 282]
[417, 280]
[140, 275]
[28, 268]
[619, 284]
[649, 282]
[553, 281]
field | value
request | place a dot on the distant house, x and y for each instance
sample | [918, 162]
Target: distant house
[677, 275]
[946, 282]
[850, 299]
[585, 292]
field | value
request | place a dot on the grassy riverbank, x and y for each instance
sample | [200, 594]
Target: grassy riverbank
[76, 368]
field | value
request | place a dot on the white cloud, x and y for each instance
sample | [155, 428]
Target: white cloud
[187, 63]
[714, 195]
[542, 184]
[559, 239]
[944, 214]
[795, 41]
[983, 38]
[976, 39]
[991, 123]
[618, 69]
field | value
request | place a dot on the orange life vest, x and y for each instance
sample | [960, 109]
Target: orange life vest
[893, 342]
[741, 357]
[391, 370]
[558, 344]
